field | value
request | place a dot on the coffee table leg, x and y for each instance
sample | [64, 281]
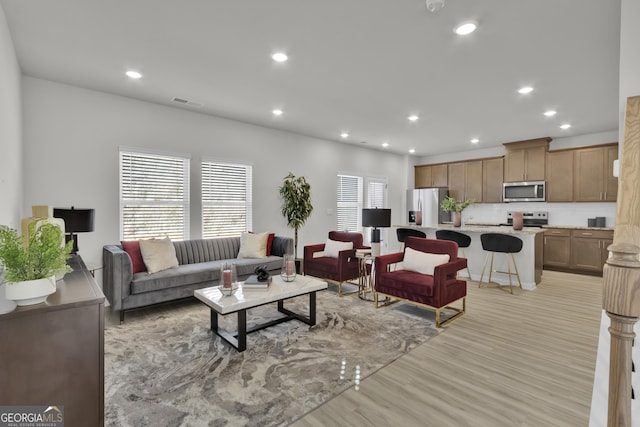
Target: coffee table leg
[214, 321]
[242, 330]
[312, 308]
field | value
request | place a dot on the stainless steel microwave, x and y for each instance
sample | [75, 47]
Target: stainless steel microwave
[532, 191]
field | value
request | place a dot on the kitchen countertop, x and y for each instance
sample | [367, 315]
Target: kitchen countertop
[579, 227]
[480, 228]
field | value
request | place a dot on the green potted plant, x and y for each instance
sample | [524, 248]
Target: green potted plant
[296, 203]
[451, 205]
[31, 263]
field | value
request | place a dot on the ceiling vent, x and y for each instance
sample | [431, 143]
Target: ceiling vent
[187, 102]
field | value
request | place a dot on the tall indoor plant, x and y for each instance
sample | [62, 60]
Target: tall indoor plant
[296, 203]
[31, 265]
[451, 205]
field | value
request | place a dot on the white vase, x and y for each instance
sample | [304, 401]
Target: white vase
[30, 292]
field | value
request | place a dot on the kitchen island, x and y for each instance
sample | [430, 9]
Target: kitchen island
[529, 259]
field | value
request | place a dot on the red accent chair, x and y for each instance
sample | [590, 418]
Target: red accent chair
[338, 270]
[435, 292]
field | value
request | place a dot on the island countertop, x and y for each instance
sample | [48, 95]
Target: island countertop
[505, 229]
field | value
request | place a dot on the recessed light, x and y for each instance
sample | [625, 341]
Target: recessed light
[344, 135]
[466, 28]
[526, 89]
[279, 57]
[550, 113]
[412, 150]
[133, 74]
[385, 144]
[413, 118]
[475, 140]
[565, 126]
[277, 112]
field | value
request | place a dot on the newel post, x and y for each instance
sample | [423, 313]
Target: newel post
[621, 278]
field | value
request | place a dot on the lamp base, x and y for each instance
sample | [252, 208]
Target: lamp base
[375, 249]
[73, 237]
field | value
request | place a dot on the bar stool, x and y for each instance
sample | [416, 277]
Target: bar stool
[461, 239]
[502, 243]
[403, 233]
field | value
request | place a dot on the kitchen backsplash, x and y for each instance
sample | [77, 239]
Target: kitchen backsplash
[559, 213]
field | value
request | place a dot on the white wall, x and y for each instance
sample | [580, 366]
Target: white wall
[10, 131]
[72, 137]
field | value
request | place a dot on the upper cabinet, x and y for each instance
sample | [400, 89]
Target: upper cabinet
[559, 181]
[593, 174]
[427, 176]
[525, 160]
[465, 180]
[492, 178]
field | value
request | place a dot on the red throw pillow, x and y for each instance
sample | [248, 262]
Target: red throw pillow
[269, 242]
[133, 249]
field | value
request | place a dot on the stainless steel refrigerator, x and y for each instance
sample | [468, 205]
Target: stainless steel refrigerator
[427, 200]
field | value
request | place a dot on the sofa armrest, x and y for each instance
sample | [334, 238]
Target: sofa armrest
[312, 249]
[449, 270]
[117, 275]
[383, 262]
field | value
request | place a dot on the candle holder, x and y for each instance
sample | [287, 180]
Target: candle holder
[288, 272]
[228, 279]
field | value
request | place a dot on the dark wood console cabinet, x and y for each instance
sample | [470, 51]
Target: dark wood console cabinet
[53, 353]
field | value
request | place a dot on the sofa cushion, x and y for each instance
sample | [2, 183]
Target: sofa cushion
[132, 247]
[324, 264]
[179, 276]
[253, 245]
[422, 262]
[158, 254]
[404, 283]
[332, 248]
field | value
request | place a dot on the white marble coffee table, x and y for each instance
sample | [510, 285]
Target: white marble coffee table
[242, 300]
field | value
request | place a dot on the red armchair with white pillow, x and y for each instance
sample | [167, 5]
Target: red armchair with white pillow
[427, 276]
[334, 260]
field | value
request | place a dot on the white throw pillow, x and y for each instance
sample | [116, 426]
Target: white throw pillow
[422, 262]
[253, 245]
[332, 248]
[158, 254]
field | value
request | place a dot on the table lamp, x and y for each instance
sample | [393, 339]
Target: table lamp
[75, 221]
[376, 218]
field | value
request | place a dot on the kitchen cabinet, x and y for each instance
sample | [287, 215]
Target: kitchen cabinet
[589, 249]
[559, 176]
[492, 179]
[525, 160]
[593, 174]
[557, 248]
[431, 176]
[465, 180]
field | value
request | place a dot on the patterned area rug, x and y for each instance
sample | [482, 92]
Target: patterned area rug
[164, 367]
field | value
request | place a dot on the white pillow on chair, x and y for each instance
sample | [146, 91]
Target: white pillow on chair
[422, 262]
[332, 248]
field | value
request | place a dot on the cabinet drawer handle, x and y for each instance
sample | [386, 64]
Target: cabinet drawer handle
[556, 232]
[587, 234]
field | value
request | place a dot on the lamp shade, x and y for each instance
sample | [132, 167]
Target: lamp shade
[376, 217]
[75, 220]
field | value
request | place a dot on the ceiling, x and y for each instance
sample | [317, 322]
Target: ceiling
[361, 66]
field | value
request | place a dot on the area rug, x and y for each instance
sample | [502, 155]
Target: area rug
[164, 367]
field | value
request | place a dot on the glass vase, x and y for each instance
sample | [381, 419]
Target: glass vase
[288, 272]
[228, 278]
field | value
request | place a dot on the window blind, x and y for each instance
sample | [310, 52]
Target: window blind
[154, 196]
[349, 203]
[226, 199]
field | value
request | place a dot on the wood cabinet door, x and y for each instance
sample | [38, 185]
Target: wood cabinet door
[605, 252]
[586, 254]
[557, 251]
[514, 166]
[457, 180]
[559, 186]
[534, 163]
[422, 177]
[473, 181]
[610, 181]
[439, 176]
[492, 179]
[588, 174]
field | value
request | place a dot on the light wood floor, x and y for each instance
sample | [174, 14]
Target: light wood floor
[526, 359]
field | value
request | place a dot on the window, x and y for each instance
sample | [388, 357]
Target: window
[226, 199]
[349, 209]
[154, 196]
[376, 198]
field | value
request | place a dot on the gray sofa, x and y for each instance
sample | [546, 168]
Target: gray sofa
[200, 262]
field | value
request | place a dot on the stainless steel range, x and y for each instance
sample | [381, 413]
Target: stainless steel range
[531, 219]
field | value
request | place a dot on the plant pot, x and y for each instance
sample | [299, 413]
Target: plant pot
[456, 217]
[31, 291]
